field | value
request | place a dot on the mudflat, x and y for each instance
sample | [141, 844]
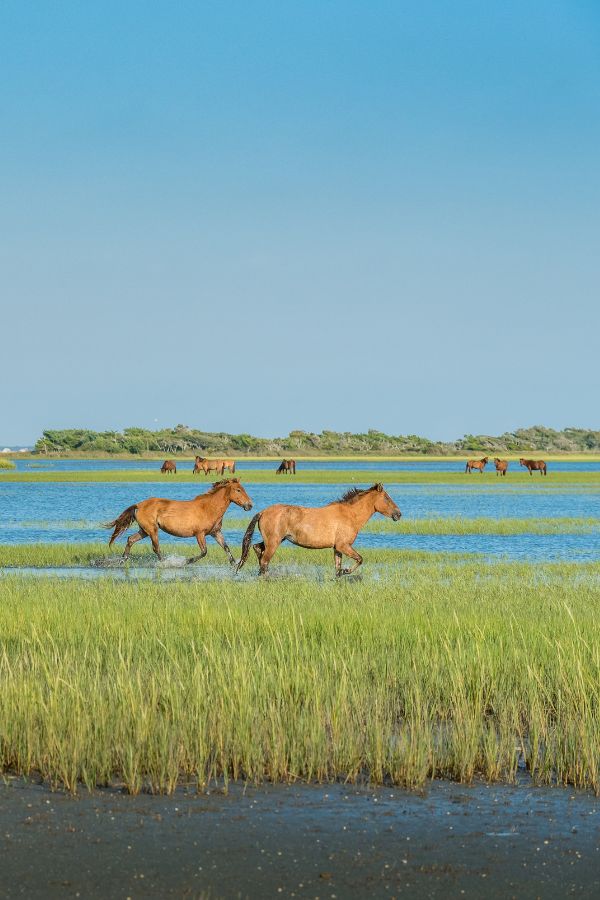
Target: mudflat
[324, 841]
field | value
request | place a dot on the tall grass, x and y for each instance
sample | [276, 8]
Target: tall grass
[6, 463]
[442, 670]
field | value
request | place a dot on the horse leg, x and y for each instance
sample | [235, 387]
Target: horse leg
[203, 551]
[337, 558]
[259, 549]
[266, 556]
[133, 539]
[153, 535]
[347, 550]
[218, 536]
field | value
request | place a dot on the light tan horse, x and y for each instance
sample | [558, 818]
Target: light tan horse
[335, 525]
[227, 464]
[476, 464]
[197, 518]
[207, 466]
[501, 466]
[168, 466]
[534, 465]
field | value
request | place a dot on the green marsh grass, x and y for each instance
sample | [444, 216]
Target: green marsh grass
[96, 553]
[460, 525]
[447, 668]
[433, 525]
[487, 481]
[6, 463]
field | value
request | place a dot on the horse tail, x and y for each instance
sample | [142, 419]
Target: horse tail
[467, 467]
[246, 540]
[121, 523]
[233, 468]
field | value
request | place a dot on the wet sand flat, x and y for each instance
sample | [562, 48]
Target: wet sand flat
[303, 841]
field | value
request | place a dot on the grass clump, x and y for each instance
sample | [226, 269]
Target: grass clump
[444, 669]
[6, 463]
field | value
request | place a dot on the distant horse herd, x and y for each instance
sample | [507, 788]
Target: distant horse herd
[288, 466]
[218, 466]
[335, 525]
[533, 465]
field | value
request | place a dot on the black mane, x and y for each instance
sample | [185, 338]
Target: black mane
[351, 494]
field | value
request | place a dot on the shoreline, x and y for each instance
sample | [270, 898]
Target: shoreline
[350, 457]
[317, 841]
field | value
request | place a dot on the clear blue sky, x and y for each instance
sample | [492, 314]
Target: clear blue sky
[253, 216]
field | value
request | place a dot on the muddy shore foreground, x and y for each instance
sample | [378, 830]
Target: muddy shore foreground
[305, 841]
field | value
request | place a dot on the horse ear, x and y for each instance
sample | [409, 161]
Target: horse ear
[237, 480]
[379, 486]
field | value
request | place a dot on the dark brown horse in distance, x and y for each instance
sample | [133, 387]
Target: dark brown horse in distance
[501, 466]
[287, 467]
[534, 464]
[197, 518]
[476, 464]
[207, 466]
[168, 466]
[335, 525]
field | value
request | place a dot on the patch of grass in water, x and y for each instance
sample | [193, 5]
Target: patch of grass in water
[93, 553]
[461, 525]
[325, 476]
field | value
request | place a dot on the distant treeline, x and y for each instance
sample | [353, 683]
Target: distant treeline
[184, 440]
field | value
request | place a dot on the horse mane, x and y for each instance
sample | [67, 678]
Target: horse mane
[354, 493]
[221, 484]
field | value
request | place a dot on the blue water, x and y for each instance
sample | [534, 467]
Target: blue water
[72, 512]
[98, 465]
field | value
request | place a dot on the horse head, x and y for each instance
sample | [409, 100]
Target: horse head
[238, 495]
[384, 504]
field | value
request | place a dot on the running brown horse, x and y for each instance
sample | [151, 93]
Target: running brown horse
[476, 464]
[168, 466]
[287, 467]
[335, 525]
[207, 466]
[197, 518]
[501, 466]
[534, 465]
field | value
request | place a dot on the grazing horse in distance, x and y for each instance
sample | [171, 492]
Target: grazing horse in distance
[168, 466]
[501, 466]
[287, 467]
[207, 465]
[335, 525]
[534, 464]
[476, 464]
[197, 518]
[227, 464]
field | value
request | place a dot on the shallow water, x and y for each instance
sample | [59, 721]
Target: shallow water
[72, 512]
[173, 569]
[149, 465]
